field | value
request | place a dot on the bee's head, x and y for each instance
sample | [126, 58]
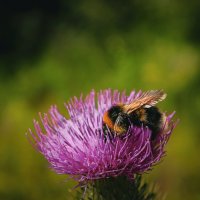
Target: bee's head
[111, 115]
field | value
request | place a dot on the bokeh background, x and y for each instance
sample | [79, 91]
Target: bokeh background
[53, 50]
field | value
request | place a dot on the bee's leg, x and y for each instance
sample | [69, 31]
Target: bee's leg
[108, 133]
[154, 133]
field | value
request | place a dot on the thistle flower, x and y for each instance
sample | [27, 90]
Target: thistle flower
[78, 146]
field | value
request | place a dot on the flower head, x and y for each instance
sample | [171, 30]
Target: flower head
[78, 146]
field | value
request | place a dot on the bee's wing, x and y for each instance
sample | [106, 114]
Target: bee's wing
[147, 99]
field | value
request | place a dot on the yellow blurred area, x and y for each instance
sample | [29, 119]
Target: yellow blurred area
[102, 51]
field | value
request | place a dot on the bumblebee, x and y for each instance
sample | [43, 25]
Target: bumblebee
[140, 112]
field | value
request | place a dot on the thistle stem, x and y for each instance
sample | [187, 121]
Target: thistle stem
[119, 188]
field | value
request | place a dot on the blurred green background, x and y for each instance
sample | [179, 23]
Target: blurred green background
[53, 50]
